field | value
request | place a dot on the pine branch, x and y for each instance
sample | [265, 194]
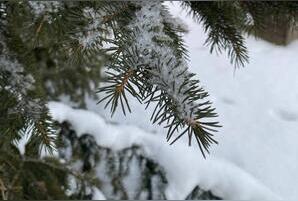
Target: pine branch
[21, 113]
[150, 67]
[42, 135]
[223, 23]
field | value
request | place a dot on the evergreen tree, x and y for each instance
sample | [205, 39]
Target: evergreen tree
[50, 49]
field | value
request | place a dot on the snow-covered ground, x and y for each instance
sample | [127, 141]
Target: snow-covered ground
[257, 106]
[184, 168]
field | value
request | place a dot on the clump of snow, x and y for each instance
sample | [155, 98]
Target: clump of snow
[98, 195]
[131, 182]
[16, 82]
[13, 72]
[21, 143]
[92, 33]
[184, 167]
[41, 7]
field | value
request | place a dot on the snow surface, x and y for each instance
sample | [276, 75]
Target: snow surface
[98, 195]
[257, 151]
[222, 177]
[257, 108]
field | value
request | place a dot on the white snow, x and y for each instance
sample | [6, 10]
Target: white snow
[257, 108]
[92, 33]
[168, 71]
[16, 77]
[258, 144]
[98, 195]
[21, 143]
[41, 7]
[184, 168]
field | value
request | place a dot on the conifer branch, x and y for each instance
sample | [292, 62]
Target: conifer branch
[162, 77]
[223, 23]
[139, 42]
